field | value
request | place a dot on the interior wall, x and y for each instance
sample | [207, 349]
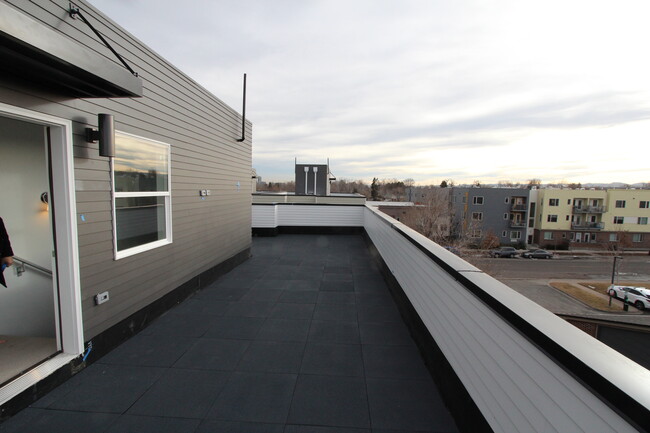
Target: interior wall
[27, 304]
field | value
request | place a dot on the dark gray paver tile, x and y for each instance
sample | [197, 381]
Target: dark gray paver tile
[182, 325]
[379, 313]
[245, 328]
[181, 393]
[213, 354]
[330, 401]
[319, 429]
[284, 330]
[336, 298]
[219, 293]
[336, 286]
[255, 397]
[34, 420]
[411, 405]
[148, 424]
[98, 392]
[392, 333]
[271, 283]
[292, 311]
[201, 306]
[333, 359]
[262, 295]
[149, 350]
[299, 296]
[249, 309]
[398, 362]
[336, 312]
[304, 284]
[334, 332]
[217, 426]
[273, 357]
[335, 276]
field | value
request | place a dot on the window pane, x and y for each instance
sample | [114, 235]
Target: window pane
[140, 165]
[139, 221]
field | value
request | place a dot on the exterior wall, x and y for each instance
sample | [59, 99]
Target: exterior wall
[499, 214]
[202, 133]
[585, 219]
[284, 197]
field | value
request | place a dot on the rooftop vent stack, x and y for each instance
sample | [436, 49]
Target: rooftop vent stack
[316, 184]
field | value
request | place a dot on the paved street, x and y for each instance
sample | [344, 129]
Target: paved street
[531, 278]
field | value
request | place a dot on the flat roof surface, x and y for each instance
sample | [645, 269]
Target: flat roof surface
[303, 337]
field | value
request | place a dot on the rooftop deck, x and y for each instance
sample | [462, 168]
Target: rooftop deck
[303, 337]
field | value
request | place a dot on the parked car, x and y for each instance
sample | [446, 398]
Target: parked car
[637, 296]
[504, 252]
[537, 254]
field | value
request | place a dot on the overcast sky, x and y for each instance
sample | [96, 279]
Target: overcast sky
[430, 90]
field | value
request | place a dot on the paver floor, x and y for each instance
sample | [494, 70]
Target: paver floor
[302, 338]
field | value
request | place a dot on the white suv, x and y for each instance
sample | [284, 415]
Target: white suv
[637, 296]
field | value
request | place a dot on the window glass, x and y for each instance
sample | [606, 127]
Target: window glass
[553, 201]
[618, 220]
[644, 204]
[643, 220]
[140, 165]
[620, 203]
[141, 191]
[548, 236]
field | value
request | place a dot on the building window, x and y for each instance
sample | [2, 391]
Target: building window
[618, 220]
[572, 236]
[507, 200]
[504, 233]
[551, 218]
[620, 203]
[477, 216]
[553, 201]
[613, 237]
[477, 200]
[141, 191]
[644, 204]
[637, 237]
[567, 218]
[568, 201]
[548, 236]
[505, 216]
[476, 233]
[514, 235]
[643, 220]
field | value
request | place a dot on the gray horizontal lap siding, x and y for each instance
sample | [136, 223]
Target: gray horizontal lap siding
[202, 132]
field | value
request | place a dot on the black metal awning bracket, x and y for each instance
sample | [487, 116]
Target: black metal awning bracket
[76, 11]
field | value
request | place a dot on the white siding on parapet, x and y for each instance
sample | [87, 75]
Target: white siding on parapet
[516, 386]
[297, 215]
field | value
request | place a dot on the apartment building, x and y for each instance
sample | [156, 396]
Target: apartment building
[502, 212]
[581, 218]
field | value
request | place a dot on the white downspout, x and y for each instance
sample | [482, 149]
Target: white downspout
[306, 171]
[315, 171]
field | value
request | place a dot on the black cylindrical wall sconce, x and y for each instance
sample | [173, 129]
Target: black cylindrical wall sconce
[105, 135]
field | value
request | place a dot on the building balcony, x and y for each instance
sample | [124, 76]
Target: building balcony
[517, 224]
[587, 226]
[519, 208]
[373, 329]
[589, 209]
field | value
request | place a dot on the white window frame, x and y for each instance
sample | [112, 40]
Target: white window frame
[549, 217]
[476, 201]
[166, 194]
[644, 204]
[477, 216]
[619, 220]
[504, 234]
[553, 201]
[637, 237]
[613, 237]
[548, 236]
[515, 235]
[619, 202]
[505, 216]
[643, 220]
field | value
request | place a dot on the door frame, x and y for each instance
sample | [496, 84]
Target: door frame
[66, 273]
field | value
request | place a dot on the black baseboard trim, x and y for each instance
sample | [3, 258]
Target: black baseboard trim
[300, 230]
[467, 415]
[119, 333]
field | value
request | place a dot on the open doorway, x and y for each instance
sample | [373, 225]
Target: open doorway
[40, 309]
[28, 305]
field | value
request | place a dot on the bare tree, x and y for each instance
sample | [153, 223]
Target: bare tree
[431, 218]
